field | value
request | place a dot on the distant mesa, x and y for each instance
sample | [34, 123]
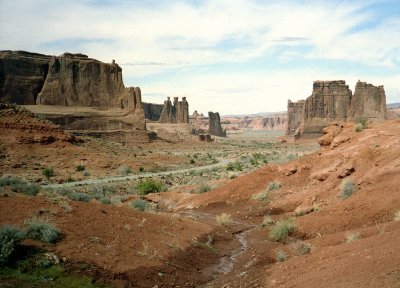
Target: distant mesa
[333, 101]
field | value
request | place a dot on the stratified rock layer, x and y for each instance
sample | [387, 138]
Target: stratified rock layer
[214, 127]
[333, 101]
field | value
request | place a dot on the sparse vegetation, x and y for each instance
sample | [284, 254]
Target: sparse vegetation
[105, 200]
[281, 230]
[20, 186]
[79, 196]
[261, 196]
[234, 166]
[147, 186]
[10, 237]
[358, 127]
[300, 248]
[224, 219]
[281, 256]
[80, 168]
[124, 170]
[42, 231]
[140, 205]
[273, 186]
[267, 221]
[204, 187]
[353, 236]
[347, 188]
[48, 172]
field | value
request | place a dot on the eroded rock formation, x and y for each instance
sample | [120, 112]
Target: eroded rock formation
[333, 101]
[368, 101]
[329, 101]
[66, 80]
[69, 80]
[178, 112]
[214, 126]
[295, 114]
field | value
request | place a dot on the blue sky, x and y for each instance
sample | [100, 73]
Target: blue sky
[231, 56]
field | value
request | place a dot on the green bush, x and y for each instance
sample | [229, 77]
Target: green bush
[48, 172]
[232, 166]
[281, 230]
[147, 186]
[358, 127]
[204, 188]
[273, 186]
[105, 200]
[300, 248]
[281, 256]
[42, 231]
[10, 237]
[80, 168]
[140, 205]
[347, 188]
[79, 196]
[20, 186]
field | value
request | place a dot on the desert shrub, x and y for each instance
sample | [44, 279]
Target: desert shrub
[300, 248]
[204, 188]
[358, 127]
[192, 161]
[397, 216]
[147, 186]
[124, 170]
[224, 219]
[351, 237]
[281, 230]
[281, 256]
[267, 220]
[262, 196]
[80, 168]
[232, 166]
[42, 231]
[105, 200]
[20, 186]
[79, 196]
[363, 121]
[10, 237]
[70, 179]
[48, 172]
[141, 169]
[140, 205]
[347, 188]
[86, 173]
[273, 186]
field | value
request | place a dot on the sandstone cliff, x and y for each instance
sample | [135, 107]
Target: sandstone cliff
[333, 101]
[69, 80]
[66, 80]
[368, 101]
[329, 101]
[214, 126]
